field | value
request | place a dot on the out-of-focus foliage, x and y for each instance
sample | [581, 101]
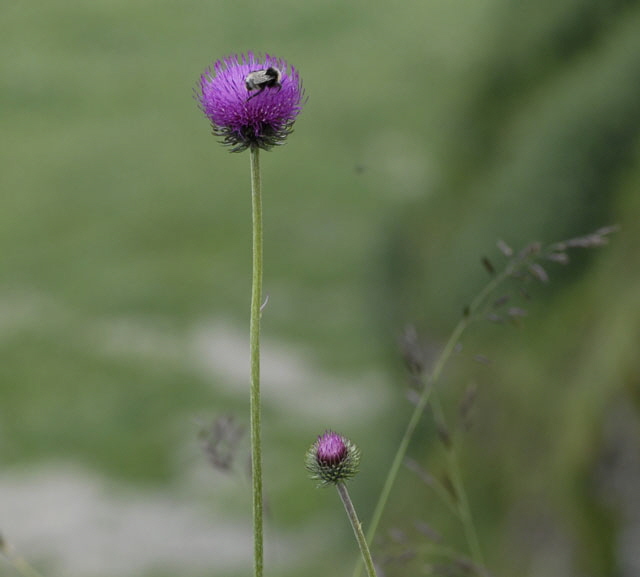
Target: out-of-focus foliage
[546, 147]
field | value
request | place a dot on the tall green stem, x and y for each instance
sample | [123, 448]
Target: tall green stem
[255, 409]
[357, 529]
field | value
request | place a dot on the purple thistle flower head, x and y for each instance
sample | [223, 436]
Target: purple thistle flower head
[332, 459]
[249, 110]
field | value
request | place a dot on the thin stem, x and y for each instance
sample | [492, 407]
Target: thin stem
[357, 529]
[411, 427]
[518, 263]
[429, 383]
[461, 499]
[20, 564]
[256, 302]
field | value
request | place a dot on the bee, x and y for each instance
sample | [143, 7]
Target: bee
[261, 79]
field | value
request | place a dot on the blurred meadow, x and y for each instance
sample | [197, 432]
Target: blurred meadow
[432, 130]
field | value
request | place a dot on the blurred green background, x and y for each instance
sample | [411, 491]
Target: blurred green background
[432, 130]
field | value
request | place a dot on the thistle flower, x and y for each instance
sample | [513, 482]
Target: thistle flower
[252, 102]
[243, 116]
[332, 459]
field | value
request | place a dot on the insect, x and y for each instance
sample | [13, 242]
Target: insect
[261, 79]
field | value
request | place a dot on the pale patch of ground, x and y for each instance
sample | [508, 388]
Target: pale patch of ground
[78, 524]
[87, 527]
[74, 523]
[291, 380]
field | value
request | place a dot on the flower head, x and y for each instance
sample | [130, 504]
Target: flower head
[251, 101]
[332, 459]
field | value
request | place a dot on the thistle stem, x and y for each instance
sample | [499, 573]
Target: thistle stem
[357, 529]
[255, 408]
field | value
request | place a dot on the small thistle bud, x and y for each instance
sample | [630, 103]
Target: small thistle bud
[332, 459]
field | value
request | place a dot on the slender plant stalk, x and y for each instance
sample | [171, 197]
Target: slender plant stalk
[428, 384]
[461, 500]
[255, 409]
[523, 261]
[20, 564]
[357, 529]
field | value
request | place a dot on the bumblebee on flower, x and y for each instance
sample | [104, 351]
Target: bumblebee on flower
[251, 101]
